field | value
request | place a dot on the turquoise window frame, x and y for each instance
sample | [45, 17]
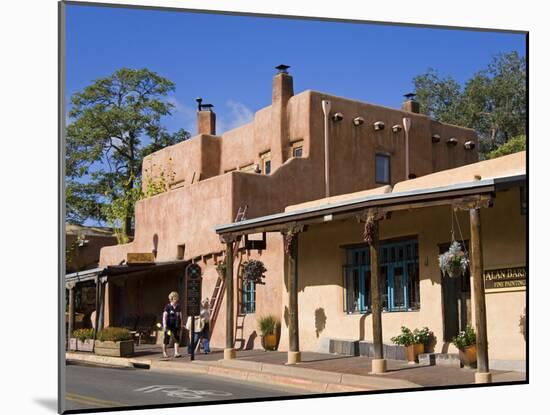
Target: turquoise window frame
[248, 294]
[392, 256]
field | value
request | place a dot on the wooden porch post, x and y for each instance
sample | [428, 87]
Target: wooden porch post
[476, 266]
[291, 269]
[71, 287]
[96, 319]
[371, 236]
[101, 313]
[229, 351]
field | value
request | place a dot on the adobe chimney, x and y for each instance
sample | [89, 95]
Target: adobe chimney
[283, 87]
[206, 118]
[410, 104]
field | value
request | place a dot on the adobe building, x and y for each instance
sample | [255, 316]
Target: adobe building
[302, 148]
[329, 300]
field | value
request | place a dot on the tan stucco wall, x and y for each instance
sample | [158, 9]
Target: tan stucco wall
[321, 280]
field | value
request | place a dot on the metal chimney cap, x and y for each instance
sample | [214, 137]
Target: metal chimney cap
[410, 96]
[282, 68]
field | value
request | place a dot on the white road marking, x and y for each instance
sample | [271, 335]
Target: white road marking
[182, 392]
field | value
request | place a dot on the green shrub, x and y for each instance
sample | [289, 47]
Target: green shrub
[114, 334]
[269, 325]
[465, 338]
[83, 334]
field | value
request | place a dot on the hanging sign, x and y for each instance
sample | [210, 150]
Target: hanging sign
[505, 279]
[140, 258]
[193, 285]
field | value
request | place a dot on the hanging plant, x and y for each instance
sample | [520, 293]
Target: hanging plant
[221, 267]
[254, 271]
[455, 261]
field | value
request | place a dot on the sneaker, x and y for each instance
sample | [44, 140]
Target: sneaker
[165, 356]
[177, 355]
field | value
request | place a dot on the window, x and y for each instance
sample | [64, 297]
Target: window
[266, 162]
[382, 173]
[297, 148]
[399, 276]
[248, 299]
[297, 152]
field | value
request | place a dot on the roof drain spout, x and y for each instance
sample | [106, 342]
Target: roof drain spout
[407, 127]
[326, 110]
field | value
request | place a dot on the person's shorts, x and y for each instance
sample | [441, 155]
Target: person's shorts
[173, 333]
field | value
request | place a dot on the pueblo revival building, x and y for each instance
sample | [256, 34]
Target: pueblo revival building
[301, 148]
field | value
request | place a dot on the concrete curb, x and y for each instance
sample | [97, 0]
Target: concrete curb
[312, 380]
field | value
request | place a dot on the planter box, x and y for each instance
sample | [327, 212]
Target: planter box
[345, 347]
[391, 351]
[81, 346]
[123, 348]
[413, 351]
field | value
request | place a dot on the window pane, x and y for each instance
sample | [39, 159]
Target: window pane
[297, 152]
[384, 288]
[267, 167]
[382, 169]
[414, 286]
[398, 287]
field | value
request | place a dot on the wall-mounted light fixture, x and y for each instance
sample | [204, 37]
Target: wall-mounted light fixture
[396, 128]
[436, 138]
[469, 145]
[337, 117]
[452, 141]
[378, 125]
[358, 121]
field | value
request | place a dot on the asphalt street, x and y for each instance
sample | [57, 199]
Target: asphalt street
[101, 387]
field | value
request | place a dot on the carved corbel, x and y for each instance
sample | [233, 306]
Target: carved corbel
[474, 202]
[289, 234]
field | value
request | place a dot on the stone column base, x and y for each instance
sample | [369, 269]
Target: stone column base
[483, 377]
[229, 354]
[294, 357]
[378, 366]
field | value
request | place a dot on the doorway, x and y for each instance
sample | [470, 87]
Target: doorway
[456, 304]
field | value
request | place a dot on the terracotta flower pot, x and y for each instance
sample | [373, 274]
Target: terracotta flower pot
[269, 341]
[468, 356]
[413, 351]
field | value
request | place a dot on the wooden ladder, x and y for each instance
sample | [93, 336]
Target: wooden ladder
[219, 288]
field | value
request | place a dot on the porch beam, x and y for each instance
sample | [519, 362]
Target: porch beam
[483, 374]
[372, 237]
[229, 351]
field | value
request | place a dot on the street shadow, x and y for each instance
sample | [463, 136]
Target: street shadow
[320, 321]
[48, 403]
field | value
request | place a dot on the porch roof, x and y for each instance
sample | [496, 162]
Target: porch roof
[327, 211]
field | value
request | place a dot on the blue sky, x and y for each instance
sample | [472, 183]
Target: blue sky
[230, 60]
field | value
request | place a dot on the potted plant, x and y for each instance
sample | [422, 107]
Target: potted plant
[114, 341]
[413, 341]
[254, 271]
[269, 328]
[82, 340]
[455, 261]
[465, 342]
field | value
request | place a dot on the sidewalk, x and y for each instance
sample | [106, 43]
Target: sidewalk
[318, 372]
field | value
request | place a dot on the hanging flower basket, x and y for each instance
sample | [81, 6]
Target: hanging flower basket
[254, 271]
[455, 261]
[220, 268]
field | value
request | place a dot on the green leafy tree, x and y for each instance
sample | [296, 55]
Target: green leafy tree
[493, 101]
[114, 123]
[513, 145]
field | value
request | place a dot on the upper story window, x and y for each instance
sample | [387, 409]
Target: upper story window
[382, 169]
[399, 274]
[266, 162]
[297, 148]
[297, 152]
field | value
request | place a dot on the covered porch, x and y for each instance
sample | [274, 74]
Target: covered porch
[316, 234]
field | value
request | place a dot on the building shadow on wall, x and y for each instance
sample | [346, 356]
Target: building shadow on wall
[523, 325]
[320, 321]
[362, 327]
[251, 340]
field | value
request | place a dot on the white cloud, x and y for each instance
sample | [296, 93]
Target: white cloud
[239, 114]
